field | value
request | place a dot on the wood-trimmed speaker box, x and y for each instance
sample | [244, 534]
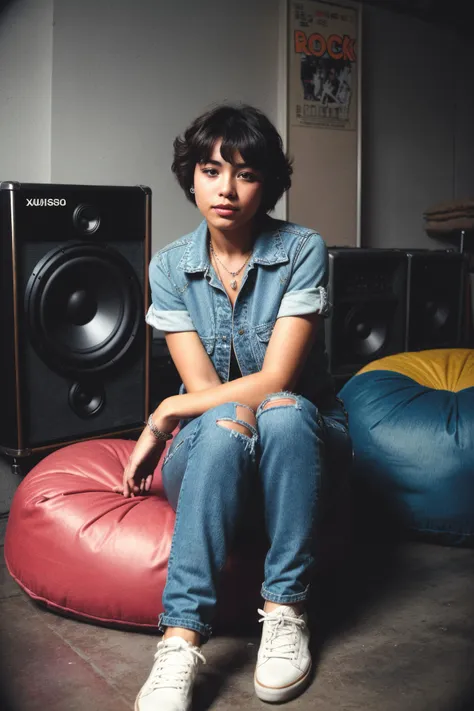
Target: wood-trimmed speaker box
[74, 346]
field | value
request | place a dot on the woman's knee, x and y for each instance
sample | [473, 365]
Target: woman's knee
[285, 399]
[273, 412]
[233, 416]
[280, 399]
[245, 421]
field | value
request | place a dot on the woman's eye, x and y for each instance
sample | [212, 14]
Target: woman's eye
[250, 177]
[210, 171]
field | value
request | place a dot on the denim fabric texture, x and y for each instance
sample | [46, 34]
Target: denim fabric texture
[208, 474]
[211, 471]
[286, 276]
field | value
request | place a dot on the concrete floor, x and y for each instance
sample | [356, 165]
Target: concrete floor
[393, 632]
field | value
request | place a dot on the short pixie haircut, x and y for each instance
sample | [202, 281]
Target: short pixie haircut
[244, 129]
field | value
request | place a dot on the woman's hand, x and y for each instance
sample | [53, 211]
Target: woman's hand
[138, 474]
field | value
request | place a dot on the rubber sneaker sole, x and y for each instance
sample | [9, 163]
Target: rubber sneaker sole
[275, 695]
[136, 708]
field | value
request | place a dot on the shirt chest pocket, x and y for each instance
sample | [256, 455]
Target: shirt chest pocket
[261, 339]
[209, 343]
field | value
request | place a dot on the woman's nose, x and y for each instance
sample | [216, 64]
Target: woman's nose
[227, 187]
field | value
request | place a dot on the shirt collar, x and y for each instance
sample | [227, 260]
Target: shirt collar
[268, 248]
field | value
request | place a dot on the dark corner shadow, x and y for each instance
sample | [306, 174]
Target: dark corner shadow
[464, 700]
[4, 4]
[6, 696]
[5, 702]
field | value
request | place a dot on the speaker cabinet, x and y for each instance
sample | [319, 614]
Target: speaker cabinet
[74, 346]
[165, 380]
[437, 299]
[367, 289]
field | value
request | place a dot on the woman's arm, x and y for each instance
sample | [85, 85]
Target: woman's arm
[301, 309]
[286, 354]
[194, 366]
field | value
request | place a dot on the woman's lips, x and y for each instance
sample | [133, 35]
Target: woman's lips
[225, 211]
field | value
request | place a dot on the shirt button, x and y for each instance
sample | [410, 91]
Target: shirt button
[241, 332]
[224, 338]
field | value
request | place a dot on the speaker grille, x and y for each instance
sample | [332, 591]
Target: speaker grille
[436, 288]
[367, 289]
[74, 347]
[82, 305]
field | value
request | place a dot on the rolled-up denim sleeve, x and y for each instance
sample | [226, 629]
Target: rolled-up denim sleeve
[167, 311]
[307, 288]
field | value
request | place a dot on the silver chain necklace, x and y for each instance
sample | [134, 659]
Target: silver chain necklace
[233, 283]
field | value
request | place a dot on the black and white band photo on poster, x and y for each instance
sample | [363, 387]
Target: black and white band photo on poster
[323, 64]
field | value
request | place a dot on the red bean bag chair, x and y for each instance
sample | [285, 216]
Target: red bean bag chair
[80, 548]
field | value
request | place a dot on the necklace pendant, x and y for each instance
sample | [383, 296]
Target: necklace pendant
[233, 284]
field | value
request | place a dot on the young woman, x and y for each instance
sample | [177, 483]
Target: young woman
[241, 301]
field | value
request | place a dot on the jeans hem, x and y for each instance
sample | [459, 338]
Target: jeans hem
[185, 622]
[293, 597]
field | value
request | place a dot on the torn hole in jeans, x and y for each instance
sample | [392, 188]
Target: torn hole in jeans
[249, 440]
[283, 401]
[234, 426]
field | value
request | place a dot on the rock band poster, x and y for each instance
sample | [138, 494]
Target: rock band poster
[323, 64]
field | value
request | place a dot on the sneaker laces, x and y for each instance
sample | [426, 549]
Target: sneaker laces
[173, 664]
[281, 634]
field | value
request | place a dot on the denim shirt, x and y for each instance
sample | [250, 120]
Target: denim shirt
[285, 276]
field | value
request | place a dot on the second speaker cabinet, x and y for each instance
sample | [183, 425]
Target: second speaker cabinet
[367, 290]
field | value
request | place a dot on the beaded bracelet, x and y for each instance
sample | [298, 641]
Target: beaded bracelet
[159, 434]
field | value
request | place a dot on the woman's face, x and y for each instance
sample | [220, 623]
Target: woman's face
[228, 196]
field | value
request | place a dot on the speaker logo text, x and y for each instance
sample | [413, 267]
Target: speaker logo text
[45, 202]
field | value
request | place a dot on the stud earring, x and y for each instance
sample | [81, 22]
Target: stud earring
[191, 190]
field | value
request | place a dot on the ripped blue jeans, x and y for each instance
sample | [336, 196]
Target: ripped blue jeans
[207, 476]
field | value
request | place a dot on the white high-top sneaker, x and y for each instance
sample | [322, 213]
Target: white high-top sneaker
[170, 684]
[283, 661]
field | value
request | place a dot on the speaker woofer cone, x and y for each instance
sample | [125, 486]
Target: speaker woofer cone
[366, 328]
[86, 400]
[83, 307]
[86, 219]
[437, 314]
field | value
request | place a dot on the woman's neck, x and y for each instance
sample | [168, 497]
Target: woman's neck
[233, 243]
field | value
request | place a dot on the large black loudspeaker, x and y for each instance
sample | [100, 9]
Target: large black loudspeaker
[74, 347]
[437, 292]
[367, 288]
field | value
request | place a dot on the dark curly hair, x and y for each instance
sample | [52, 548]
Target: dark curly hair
[244, 129]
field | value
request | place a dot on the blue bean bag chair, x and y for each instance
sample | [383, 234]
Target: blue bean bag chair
[411, 419]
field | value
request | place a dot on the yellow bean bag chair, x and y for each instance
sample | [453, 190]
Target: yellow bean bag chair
[411, 419]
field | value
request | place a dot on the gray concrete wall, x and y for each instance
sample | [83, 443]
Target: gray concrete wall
[128, 76]
[26, 56]
[418, 113]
